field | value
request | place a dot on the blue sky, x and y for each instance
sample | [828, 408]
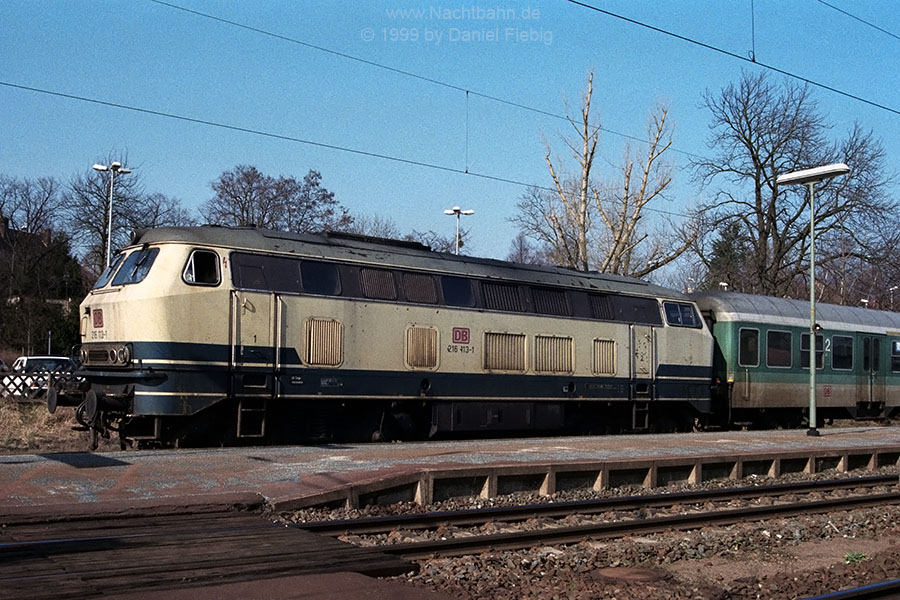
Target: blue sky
[537, 54]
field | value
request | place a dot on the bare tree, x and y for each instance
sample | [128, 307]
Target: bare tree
[602, 226]
[86, 202]
[760, 130]
[245, 197]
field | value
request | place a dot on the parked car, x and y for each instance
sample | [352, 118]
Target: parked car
[29, 374]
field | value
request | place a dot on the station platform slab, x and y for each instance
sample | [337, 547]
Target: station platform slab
[287, 477]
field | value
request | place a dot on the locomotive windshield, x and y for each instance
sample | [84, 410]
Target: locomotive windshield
[109, 272]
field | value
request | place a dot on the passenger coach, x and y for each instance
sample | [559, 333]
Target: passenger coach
[217, 335]
[763, 352]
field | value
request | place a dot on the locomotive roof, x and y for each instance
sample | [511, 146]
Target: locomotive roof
[365, 249]
[734, 306]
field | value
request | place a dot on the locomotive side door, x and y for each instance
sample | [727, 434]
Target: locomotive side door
[643, 369]
[253, 352]
[871, 384]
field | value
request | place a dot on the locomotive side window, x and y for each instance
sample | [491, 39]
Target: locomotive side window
[841, 352]
[778, 348]
[202, 268]
[320, 278]
[109, 272]
[895, 356]
[804, 351]
[501, 296]
[748, 348]
[378, 284]
[419, 288]
[265, 273]
[602, 307]
[457, 291]
[681, 314]
[549, 301]
[643, 311]
[136, 266]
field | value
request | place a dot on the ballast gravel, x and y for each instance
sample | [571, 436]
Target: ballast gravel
[797, 557]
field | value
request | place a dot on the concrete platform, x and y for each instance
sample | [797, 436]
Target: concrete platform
[291, 477]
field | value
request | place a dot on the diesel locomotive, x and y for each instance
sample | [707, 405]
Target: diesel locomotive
[214, 335]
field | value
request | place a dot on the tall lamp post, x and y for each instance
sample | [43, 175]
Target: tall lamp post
[456, 211]
[114, 168]
[811, 177]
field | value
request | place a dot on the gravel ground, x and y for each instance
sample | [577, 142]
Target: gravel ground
[784, 558]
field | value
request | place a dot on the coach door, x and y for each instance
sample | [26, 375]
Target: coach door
[642, 373]
[870, 389]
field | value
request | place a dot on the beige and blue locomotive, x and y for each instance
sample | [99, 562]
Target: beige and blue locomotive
[214, 335]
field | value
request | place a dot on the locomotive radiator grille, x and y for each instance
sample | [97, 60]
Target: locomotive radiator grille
[604, 357]
[324, 342]
[504, 351]
[421, 347]
[553, 354]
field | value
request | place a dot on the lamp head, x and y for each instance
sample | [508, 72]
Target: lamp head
[813, 175]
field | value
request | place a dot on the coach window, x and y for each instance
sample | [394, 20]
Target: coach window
[457, 291]
[320, 278]
[202, 268]
[778, 348]
[804, 351]
[136, 266]
[895, 356]
[748, 348]
[841, 353]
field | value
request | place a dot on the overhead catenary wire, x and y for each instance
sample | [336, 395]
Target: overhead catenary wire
[298, 140]
[735, 55]
[402, 72]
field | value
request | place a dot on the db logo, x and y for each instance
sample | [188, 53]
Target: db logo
[460, 335]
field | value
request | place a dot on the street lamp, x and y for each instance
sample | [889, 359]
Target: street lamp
[893, 287]
[456, 211]
[114, 168]
[811, 177]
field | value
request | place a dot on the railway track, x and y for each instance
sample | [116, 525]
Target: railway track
[684, 519]
[84, 557]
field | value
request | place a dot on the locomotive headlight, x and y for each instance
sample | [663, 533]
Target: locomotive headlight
[84, 356]
[124, 355]
[112, 356]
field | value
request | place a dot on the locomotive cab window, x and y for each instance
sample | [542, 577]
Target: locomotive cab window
[748, 348]
[108, 273]
[202, 268]
[804, 351]
[136, 266]
[778, 349]
[681, 314]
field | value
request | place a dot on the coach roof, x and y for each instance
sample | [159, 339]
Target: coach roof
[397, 253]
[734, 306]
